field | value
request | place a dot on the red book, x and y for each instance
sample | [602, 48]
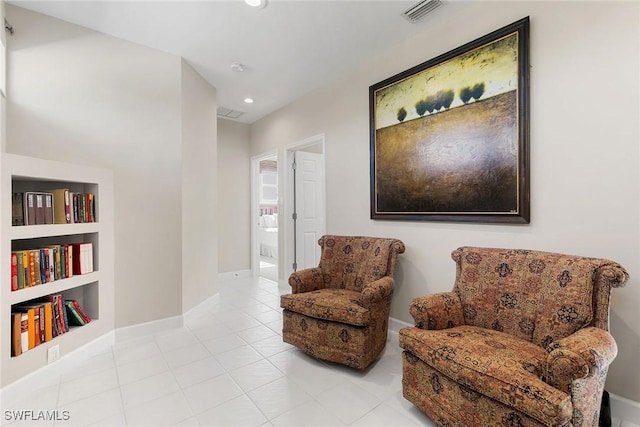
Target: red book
[80, 311]
[14, 272]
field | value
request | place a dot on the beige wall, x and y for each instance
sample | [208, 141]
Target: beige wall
[84, 97]
[234, 190]
[585, 182]
[199, 189]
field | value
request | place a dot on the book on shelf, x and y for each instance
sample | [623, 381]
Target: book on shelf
[61, 207]
[33, 267]
[29, 208]
[58, 206]
[19, 276]
[48, 320]
[19, 332]
[16, 334]
[59, 313]
[39, 208]
[80, 311]
[56, 323]
[36, 312]
[44, 267]
[30, 314]
[48, 208]
[14, 271]
[75, 319]
[25, 267]
[38, 321]
[17, 209]
[82, 258]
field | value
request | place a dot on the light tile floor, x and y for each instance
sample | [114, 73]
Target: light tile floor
[226, 368]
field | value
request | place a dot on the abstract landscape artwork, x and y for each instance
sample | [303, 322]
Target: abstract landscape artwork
[449, 137]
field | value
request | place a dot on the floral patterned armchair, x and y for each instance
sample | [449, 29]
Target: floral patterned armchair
[339, 311]
[522, 340]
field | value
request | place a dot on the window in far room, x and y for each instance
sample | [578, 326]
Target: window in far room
[268, 182]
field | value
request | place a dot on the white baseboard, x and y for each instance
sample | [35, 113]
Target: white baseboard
[624, 409]
[201, 308]
[48, 374]
[395, 325]
[621, 408]
[152, 327]
[234, 275]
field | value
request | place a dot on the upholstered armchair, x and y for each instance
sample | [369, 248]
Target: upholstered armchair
[522, 340]
[339, 311]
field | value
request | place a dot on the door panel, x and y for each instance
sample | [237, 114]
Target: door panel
[309, 178]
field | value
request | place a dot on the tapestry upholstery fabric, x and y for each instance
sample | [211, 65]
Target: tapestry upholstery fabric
[522, 340]
[339, 311]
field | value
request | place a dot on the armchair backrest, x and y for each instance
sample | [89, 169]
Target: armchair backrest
[534, 295]
[350, 262]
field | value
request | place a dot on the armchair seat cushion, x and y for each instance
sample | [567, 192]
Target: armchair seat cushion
[337, 305]
[495, 364]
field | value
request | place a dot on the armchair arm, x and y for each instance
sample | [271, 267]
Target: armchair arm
[581, 355]
[437, 311]
[377, 291]
[306, 280]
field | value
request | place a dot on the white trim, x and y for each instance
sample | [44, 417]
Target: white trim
[395, 325]
[49, 373]
[624, 409]
[147, 328]
[202, 308]
[229, 275]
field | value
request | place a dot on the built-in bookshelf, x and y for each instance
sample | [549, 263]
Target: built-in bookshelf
[94, 290]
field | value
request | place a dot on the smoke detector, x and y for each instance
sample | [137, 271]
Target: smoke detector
[420, 9]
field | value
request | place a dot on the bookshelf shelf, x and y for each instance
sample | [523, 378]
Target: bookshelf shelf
[94, 291]
[56, 287]
[51, 230]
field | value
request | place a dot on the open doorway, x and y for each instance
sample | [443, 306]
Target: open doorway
[265, 215]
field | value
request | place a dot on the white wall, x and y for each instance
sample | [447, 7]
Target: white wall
[234, 190]
[585, 160]
[199, 189]
[84, 97]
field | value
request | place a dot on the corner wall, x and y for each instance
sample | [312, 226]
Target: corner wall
[199, 189]
[80, 96]
[585, 157]
[234, 191]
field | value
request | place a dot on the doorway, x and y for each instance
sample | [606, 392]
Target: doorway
[265, 216]
[304, 203]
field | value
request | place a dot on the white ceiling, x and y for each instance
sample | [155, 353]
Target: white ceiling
[287, 49]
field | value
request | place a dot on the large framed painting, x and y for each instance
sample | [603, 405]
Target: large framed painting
[450, 137]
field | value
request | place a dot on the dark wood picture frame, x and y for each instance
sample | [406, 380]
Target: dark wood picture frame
[450, 137]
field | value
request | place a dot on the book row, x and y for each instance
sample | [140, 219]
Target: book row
[33, 267]
[42, 320]
[59, 206]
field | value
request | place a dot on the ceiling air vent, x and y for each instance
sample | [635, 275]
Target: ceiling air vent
[420, 9]
[229, 113]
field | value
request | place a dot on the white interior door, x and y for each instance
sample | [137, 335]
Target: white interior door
[309, 208]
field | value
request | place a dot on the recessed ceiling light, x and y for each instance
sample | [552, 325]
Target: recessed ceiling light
[248, 100]
[258, 4]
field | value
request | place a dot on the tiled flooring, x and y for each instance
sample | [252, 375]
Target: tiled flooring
[226, 368]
